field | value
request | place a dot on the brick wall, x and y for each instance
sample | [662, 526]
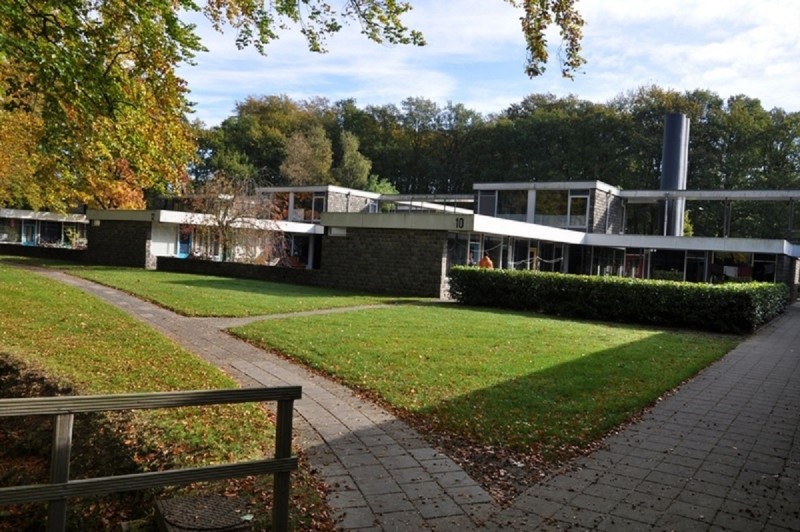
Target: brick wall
[394, 261]
[388, 261]
[606, 205]
[120, 243]
[339, 202]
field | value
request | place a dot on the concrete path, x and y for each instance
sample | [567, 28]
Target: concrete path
[723, 453]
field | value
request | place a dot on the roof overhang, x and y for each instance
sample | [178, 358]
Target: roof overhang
[189, 218]
[652, 196]
[549, 185]
[489, 225]
[738, 245]
[22, 214]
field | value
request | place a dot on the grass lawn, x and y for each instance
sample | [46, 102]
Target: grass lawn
[205, 295]
[521, 381]
[98, 349]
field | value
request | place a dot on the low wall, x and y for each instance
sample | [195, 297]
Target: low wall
[68, 254]
[120, 243]
[391, 261]
[243, 271]
[380, 261]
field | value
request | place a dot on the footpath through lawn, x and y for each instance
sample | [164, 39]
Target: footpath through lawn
[59, 332]
[475, 381]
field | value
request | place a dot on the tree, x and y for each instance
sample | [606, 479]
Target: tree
[232, 223]
[353, 172]
[99, 76]
[308, 158]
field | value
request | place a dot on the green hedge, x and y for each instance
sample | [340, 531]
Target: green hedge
[732, 307]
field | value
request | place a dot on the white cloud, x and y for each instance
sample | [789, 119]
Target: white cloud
[476, 53]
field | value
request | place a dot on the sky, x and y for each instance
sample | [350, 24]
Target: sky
[475, 55]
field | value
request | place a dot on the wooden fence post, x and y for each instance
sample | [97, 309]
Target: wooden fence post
[282, 481]
[59, 470]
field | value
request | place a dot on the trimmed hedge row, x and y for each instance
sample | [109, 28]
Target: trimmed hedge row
[730, 308]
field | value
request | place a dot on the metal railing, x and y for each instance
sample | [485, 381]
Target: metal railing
[64, 409]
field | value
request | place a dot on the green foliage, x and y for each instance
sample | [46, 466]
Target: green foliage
[97, 349]
[353, 171]
[731, 307]
[309, 157]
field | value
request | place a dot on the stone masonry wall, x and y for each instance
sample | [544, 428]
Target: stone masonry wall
[394, 261]
[120, 243]
[387, 261]
[338, 202]
[606, 205]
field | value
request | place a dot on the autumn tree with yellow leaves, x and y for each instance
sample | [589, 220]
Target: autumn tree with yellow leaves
[92, 111]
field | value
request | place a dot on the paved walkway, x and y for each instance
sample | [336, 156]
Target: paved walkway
[723, 453]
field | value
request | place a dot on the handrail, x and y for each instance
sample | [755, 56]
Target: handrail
[63, 408]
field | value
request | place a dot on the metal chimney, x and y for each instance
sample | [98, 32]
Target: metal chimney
[674, 168]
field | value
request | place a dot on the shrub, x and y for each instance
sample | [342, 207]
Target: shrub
[733, 308]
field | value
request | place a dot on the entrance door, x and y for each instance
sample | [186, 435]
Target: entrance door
[634, 266]
[28, 233]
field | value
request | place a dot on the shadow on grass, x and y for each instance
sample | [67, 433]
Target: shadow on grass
[564, 408]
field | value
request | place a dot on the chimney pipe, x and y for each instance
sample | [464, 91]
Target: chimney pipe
[674, 169]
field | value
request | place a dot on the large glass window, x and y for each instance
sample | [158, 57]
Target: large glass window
[512, 204]
[9, 230]
[764, 266]
[50, 233]
[487, 202]
[578, 212]
[308, 206]
[552, 207]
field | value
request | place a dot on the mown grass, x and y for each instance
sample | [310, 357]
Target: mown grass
[205, 295]
[521, 381]
[98, 349]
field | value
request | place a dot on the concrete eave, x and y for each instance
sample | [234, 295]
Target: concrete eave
[740, 245]
[399, 220]
[554, 185]
[189, 218]
[652, 196]
[23, 214]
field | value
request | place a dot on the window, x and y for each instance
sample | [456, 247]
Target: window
[512, 204]
[308, 206]
[487, 202]
[578, 212]
[50, 233]
[185, 241]
[552, 207]
[9, 230]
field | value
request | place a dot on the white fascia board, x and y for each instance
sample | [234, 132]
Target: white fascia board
[740, 245]
[503, 227]
[548, 185]
[318, 188]
[23, 214]
[188, 218]
[652, 196]
[298, 228]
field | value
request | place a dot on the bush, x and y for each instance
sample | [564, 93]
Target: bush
[730, 308]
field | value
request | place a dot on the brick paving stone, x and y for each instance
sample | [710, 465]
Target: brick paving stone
[411, 475]
[389, 503]
[402, 521]
[439, 506]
